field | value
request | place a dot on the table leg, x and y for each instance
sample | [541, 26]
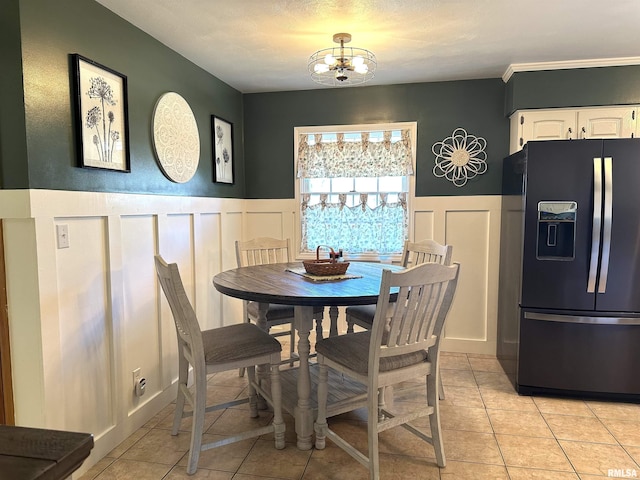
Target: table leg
[333, 315]
[304, 410]
[262, 371]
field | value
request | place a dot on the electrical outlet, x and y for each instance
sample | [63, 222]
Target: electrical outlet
[62, 235]
[139, 382]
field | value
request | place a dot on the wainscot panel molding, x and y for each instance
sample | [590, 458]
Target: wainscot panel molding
[83, 317]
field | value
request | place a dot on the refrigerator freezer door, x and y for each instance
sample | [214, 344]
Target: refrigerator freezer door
[580, 355]
[621, 290]
[559, 171]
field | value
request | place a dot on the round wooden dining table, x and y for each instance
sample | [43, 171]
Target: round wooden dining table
[286, 284]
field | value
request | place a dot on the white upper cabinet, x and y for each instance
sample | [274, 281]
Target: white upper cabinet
[571, 124]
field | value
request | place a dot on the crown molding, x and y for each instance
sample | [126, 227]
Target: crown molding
[590, 63]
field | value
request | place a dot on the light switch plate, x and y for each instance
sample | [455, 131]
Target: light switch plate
[62, 235]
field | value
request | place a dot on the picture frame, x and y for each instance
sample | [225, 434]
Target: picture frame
[222, 139]
[101, 116]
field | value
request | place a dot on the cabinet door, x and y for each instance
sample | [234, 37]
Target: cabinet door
[554, 124]
[607, 122]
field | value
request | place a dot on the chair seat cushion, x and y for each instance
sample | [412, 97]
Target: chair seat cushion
[277, 312]
[363, 313]
[352, 351]
[237, 342]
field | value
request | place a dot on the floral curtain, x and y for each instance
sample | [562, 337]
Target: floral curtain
[364, 158]
[359, 229]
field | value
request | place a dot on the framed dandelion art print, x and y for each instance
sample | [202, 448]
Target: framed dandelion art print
[222, 136]
[102, 125]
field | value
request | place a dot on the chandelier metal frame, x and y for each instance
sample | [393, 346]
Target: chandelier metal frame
[342, 66]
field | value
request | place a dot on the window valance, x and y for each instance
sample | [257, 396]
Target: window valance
[367, 154]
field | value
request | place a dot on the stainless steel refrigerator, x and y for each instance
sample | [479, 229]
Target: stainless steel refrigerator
[577, 326]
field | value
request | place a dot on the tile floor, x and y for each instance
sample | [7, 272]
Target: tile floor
[489, 432]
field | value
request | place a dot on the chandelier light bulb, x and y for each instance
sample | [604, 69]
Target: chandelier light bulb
[321, 68]
[329, 59]
[358, 61]
[361, 69]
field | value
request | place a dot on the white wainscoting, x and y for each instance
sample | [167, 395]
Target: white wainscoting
[83, 318]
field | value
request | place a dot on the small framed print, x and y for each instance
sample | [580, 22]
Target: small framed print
[102, 124]
[222, 136]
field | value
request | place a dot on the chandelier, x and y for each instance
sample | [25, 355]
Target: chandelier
[342, 65]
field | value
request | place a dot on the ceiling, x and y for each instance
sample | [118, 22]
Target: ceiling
[264, 45]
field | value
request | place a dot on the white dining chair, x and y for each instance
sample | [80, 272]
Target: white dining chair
[414, 253]
[241, 345]
[403, 344]
[265, 250]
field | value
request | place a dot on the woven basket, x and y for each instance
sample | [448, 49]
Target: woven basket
[325, 267]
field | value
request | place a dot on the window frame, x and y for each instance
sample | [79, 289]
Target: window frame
[368, 127]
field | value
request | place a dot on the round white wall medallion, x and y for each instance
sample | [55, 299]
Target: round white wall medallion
[175, 137]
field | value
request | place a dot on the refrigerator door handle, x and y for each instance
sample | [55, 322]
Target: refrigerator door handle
[606, 226]
[597, 224]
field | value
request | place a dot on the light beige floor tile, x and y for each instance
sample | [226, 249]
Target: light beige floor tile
[462, 396]
[464, 418]
[128, 442]
[494, 381]
[123, 469]
[472, 471]
[471, 447]
[454, 361]
[227, 458]
[584, 429]
[98, 468]
[234, 421]
[517, 473]
[265, 460]
[533, 452]
[563, 406]
[485, 364]
[459, 378]
[626, 432]
[180, 473]
[506, 400]
[153, 422]
[513, 422]
[333, 463]
[634, 452]
[596, 458]
[402, 467]
[159, 446]
[616, 411]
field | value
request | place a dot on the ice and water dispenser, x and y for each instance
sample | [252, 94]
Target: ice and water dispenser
[556, 230]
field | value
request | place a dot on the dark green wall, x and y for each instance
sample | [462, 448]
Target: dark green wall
[583, 87]
[13, 142]
[439, 108]
[51, 31]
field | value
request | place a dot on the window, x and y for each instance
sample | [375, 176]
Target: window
[353, 187]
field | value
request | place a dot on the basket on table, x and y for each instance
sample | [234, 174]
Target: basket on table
[329, 266]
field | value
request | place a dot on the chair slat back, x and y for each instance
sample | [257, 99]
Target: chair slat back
[416, 253]
[263, 250]
[413, 322]
[184, 317]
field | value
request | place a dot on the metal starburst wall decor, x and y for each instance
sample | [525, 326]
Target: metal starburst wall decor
[460, 157]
